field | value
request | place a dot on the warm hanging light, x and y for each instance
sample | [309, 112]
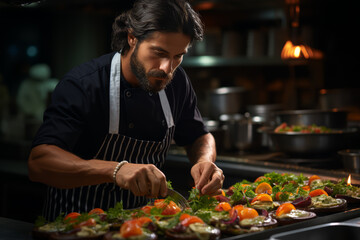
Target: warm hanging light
[296, 50]
[291, 51]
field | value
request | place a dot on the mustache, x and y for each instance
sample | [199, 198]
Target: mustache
[159, 74]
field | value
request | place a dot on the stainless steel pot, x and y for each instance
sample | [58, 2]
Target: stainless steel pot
[328, 118]
[238, 131]
[225, 100]
[296, 143]
[351, 159]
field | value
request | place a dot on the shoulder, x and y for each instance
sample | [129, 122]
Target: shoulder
[91, 67]
[89, 75]
[180, 83]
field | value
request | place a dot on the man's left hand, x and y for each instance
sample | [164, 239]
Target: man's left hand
[208, 177]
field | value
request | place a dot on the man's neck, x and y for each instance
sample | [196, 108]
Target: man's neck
[126, 70]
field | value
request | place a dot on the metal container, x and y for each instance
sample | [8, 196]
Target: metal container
[263, 117]
[297, 143]
[265, 111]
[238, 131]
[328, 118]
[351, 159]
[225, 100]
[323, 231]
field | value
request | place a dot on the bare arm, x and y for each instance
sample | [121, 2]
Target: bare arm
[203, 149]
[56, 167]
[207, 176]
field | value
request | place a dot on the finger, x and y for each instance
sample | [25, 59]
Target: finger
[196, 175]
[162, 185]
[215, 184]
[135, 189]
[157, 179]
[204, 177]
[143, 183]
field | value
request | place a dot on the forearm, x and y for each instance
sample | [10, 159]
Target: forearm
[54, 166]
[203, 149]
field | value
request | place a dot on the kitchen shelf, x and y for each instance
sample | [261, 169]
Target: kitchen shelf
[217, 61]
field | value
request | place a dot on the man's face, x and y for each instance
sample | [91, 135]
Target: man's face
[155, 59]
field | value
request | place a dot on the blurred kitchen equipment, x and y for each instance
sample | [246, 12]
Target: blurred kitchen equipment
[238, 131]
[265, 111]
[263, 117]
[232, 44]
[309, 144]
[351, 159]
[328, 118]
[256, 43]
[225, 100]
[341, 99]
[218, 132]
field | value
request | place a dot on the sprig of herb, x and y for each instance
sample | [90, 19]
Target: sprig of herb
[198, 201]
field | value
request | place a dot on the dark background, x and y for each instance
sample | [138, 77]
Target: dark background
[65, 33]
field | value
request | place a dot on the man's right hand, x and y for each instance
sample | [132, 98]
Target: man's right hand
[142, 180]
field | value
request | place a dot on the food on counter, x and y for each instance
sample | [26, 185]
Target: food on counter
[287, 214]
[136, 228]
[263, 201]
[284, 128]
[74, 225]
[191, 227]
[246, 207]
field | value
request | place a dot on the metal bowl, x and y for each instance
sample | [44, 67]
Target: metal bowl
[351, 159]
[296, 143]
[328, 118]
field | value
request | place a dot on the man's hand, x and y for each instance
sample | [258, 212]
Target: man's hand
[208, 178]
[142, 180]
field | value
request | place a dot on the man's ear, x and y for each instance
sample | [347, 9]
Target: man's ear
[131, 40]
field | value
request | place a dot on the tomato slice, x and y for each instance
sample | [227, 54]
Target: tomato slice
[169, 207]
[284, 208]
[247, 213]
[223, 206]
[312, 178]
[130, 228]
[184, 216]
[97, 211]
[190, 220]
[306, 188]
[89, 222]
[263, 187]
[317, 192]
[261, 178]
[147, 209]
[71, 217]
[263, 197]
[142, 220]
[236, 208]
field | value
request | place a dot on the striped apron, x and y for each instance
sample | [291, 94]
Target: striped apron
[115, 147]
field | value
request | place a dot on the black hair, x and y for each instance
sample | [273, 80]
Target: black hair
[148, 16]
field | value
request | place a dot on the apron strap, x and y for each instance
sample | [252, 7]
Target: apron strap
[114, 95]
[166, 108]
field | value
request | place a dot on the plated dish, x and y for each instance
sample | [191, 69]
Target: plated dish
[270, 201]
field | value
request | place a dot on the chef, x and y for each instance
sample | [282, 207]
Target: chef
[109, 127]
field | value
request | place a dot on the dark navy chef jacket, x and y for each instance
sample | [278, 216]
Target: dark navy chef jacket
[77, 119]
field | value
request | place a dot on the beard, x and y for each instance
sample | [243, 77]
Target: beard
[139, 71]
